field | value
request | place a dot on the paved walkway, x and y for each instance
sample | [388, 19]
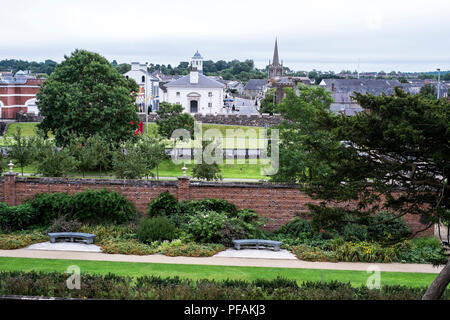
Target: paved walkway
[219, 261]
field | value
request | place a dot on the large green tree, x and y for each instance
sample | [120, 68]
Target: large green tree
[85, 96]
[392, 156]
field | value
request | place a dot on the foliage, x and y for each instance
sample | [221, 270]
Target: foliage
[208, 169]
[208, 204]
[127, 161]
[87, 206]
[171, 117]
[428, 91]
[177, 248]
[15, 65]
[363, 251]
[16, 217]
[206, 226]
[85, 95]
[63, 224]
[51, 160]
[89, 153]
[308, 253]
[152, 151]
[356, 225]
[102, 206]
[267, 104]
[3, 163]
[21, 150]
[165, 204]
[296, 228]
[296, 164]
[152, 287]
[126, 246]
[423, 250]
[21, 240]
[155, 229]
[49, 206]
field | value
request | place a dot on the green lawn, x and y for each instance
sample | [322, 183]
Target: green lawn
[28, 128]
[236, 170]
[356, 278]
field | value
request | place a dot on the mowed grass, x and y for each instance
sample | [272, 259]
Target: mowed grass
[356, 278]
[236, 170]
[28, 128]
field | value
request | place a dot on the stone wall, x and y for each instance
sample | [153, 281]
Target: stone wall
[278, 202]
[232, 119]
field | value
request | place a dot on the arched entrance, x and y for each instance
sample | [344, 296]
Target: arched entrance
[193, 102]
[193, 106]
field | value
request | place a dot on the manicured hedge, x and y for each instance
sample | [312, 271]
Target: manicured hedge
[155, 288]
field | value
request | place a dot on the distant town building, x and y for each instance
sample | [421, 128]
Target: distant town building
[342, 91]
[256, 88]
[148, 87]
[275, 71]
[18, 93]
[196, 92]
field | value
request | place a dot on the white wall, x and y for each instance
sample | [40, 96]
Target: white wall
[183, 99]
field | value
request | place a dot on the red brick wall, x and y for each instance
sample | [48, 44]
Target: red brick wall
[279, 203]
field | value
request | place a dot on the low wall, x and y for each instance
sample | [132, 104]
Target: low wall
[232, 119]
[278, 202]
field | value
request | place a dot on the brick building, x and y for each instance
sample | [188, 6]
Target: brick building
[18, 93]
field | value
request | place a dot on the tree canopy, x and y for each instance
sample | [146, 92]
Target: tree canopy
[392, 156]
[85, 96]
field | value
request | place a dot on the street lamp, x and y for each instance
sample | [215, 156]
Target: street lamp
[439, 83]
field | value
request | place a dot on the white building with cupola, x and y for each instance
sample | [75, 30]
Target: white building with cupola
[196, 92]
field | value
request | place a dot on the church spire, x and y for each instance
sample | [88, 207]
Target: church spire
[275, 61]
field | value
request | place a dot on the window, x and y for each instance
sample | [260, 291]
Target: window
[210, 94]
[143, 78]
[209, 104]
[178, 94]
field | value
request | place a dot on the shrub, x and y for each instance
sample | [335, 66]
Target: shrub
[21, 240]
[219, 205]
[382, 227]
[353, 231]
[62, 224]
[126, 246]
[155, 229]
[309, 253]
[102, 206]
[207, 226]
[16, 218]
[87, 206]
[363, 251]
[164, 204]
[296, 228]
[177, 248]
[49, 206]
[423, 250]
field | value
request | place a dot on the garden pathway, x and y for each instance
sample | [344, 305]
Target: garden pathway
[220, 261]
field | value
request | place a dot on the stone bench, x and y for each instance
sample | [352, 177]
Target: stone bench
[72, 236]
[258, 242]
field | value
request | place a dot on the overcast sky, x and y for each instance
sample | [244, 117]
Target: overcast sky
[400, 35]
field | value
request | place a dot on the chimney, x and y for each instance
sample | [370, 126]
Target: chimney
[135, 66]
[193, 76]
[332, 87]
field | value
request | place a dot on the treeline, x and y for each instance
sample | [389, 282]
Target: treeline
[14, 65]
